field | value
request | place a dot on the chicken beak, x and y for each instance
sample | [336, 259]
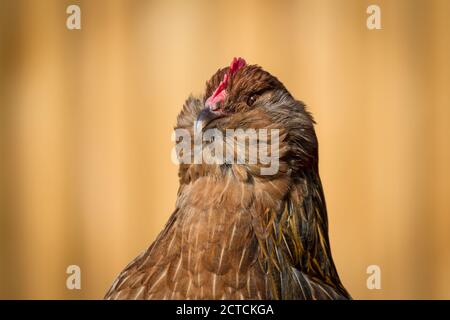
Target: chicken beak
[204, 118]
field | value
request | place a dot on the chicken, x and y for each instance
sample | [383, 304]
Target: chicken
[237, 233]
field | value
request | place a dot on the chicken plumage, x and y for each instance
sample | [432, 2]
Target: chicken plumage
[235, 233]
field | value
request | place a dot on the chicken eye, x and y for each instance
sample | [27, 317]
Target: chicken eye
[251, 100]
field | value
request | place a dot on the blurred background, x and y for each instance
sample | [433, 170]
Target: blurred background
[86, 118]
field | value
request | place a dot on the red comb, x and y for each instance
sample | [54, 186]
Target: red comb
[220, 92]
[235, 65]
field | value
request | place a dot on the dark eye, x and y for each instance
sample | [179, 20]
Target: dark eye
[251, 100]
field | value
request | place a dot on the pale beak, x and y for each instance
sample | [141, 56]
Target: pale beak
[205, 117]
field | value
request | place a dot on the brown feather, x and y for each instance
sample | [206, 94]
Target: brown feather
[237, 234]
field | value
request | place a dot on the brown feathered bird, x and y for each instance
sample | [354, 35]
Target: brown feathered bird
[236, 233]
